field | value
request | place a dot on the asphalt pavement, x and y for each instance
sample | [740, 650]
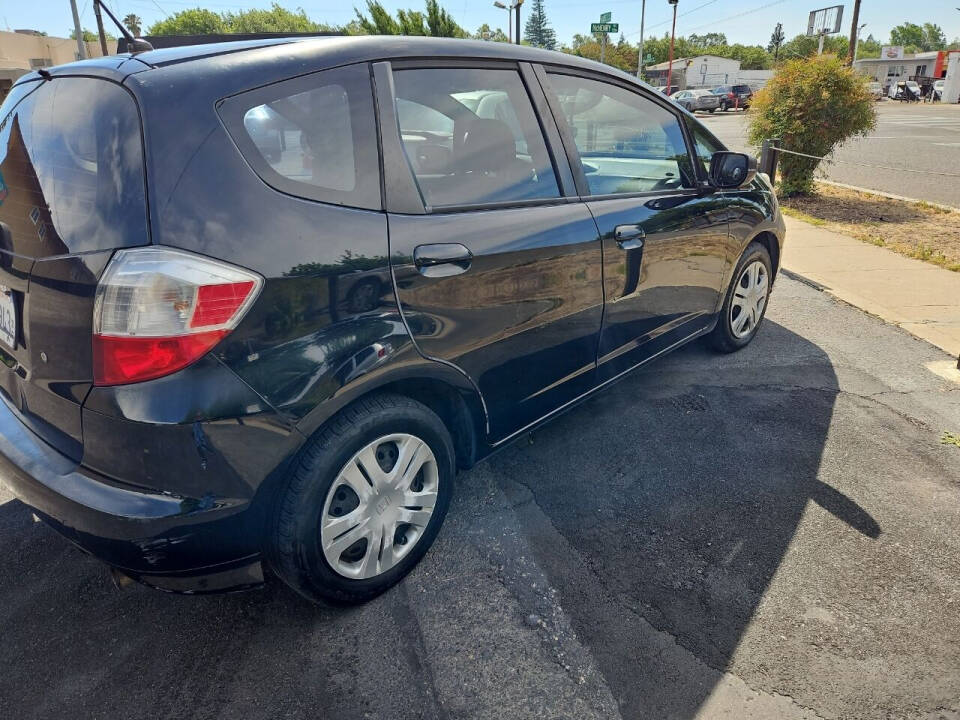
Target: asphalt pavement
[909, 137]
[766, 534]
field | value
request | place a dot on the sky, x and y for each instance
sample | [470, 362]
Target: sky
[749, 22]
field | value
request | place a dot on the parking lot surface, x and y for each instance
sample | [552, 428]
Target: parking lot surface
[908, 136]
[767, 534]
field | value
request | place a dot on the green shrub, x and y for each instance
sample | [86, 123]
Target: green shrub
[812, 105]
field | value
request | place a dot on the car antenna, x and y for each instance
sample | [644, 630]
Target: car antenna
[134, 45]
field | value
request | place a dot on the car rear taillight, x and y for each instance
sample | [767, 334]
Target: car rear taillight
[158, 310]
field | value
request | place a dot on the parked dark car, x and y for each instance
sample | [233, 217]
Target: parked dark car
[261, 300]
[734, 96]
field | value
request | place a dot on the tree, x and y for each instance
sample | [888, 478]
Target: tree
[91, 36]
[776, 40]
[537, 31]
[812, 104]
[484, 32]
[707, 40]
[133, 23]
[435, 21]
[189, 22]
[204, 22]
[907, 34]
[933, 37]
[276, 19]
[804, 46]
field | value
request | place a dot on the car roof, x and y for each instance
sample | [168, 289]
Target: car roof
[268, 60]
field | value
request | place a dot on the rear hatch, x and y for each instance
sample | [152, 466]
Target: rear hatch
[71, 192]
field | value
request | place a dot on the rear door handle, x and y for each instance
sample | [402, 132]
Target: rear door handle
[629, 237]
[442, 259]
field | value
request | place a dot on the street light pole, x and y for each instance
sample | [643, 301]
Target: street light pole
[673, 30]
[856, 45]
[500, 5]
[643, 16]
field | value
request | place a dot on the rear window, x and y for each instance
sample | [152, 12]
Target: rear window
[313, 136]
[71, 168]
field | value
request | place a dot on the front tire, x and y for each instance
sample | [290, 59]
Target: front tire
[365, 501]
[745, 304]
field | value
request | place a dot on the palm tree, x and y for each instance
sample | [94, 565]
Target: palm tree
[134, 24]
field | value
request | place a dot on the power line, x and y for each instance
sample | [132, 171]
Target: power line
[738, 15]
[667, 22]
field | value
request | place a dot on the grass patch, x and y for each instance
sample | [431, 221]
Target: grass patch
[949, 438]
[919, 230]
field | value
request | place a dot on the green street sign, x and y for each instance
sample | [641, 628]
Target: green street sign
[606, 17]
[604, 27]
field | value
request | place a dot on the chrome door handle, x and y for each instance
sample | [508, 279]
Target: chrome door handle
[442, 259]
[629, 237]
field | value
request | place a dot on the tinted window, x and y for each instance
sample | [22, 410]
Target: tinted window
[471, 137]
[313, 136]
[627, 143]
[71, 168]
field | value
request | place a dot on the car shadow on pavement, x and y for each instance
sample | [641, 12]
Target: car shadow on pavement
[662, 509]
[658, 513]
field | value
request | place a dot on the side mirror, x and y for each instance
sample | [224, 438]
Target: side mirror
[731, 169]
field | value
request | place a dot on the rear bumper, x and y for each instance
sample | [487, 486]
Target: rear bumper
[174, 543]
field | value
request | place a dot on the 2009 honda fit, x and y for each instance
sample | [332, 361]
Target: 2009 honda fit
[260, 300]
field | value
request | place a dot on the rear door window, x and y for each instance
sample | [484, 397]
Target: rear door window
[471, 136]
[627, 143]
[313, 136]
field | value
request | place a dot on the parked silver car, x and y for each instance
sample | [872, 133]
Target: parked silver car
[697, 100]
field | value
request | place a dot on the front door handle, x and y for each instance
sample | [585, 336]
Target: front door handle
[629, 237]
[442, 259]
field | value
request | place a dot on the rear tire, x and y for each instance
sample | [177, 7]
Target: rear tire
[329, 542]
[745, 304]
[711, 110]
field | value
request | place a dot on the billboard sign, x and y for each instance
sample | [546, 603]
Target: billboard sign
[825, 21]
[891, 52]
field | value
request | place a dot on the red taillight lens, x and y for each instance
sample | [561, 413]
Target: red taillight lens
[122, 360]
[159, 310]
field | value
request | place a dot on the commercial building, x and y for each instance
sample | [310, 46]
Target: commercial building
[24, 50]
[695, 72]
[910, 66]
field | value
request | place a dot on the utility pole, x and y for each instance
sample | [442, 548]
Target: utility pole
[78, 31]
[673, 30]
[643, 16]
[103, 37]
[854, 32]
[516, 5]
[823, 34]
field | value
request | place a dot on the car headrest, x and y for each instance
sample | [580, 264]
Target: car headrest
[488, 146]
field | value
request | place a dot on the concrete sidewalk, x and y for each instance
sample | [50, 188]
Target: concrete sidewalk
[921, 298]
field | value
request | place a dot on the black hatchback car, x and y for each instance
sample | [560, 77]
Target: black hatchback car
[261, 300]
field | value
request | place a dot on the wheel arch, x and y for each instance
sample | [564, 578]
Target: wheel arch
[443, 389]
[770, 242]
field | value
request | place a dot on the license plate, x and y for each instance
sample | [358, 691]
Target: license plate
[8, 319]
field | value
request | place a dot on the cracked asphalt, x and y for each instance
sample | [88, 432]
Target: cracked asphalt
[772, 534]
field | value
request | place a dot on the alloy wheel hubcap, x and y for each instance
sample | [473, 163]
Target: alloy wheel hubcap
[379, 506]
[749, 299]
